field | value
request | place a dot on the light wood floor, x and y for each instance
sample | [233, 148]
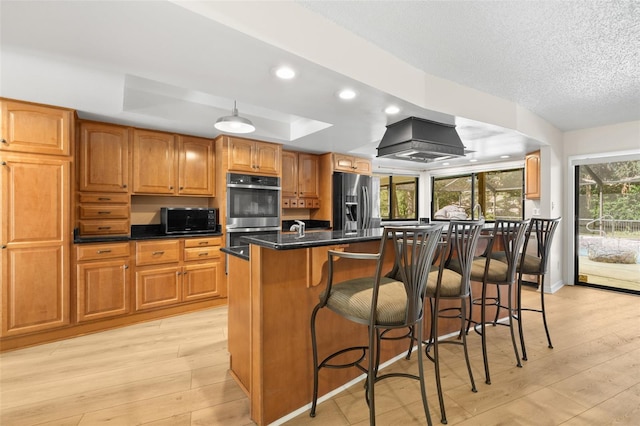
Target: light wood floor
[175, 372]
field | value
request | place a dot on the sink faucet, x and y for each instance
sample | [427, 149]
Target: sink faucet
[298, 226]
[479, 208]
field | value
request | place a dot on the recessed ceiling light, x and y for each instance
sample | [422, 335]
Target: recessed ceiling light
[392, 109]
[504, 156]
[347, 94]
[285, 73]
[445, 164]
[473, 160]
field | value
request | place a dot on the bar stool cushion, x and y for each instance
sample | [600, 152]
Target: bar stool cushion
[497, 270]
[352, 299]
[450, 287]
[531, 264]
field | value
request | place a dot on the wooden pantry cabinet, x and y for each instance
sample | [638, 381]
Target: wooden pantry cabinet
[246, 155]
[35, 129]
[103, 281]
[168, 164]
[169, 272]
[35, 180]
[300, 183]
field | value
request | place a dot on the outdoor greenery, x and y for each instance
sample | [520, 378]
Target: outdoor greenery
[399, 197]
[619, 185]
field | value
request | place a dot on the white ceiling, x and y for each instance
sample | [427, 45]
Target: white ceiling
[179, 66]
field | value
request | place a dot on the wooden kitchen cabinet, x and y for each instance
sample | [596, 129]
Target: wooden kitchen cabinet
[36, 235]
[532, 175]
[351, 164]
[103, 214]
[170, 272]
[172, 165]
[246, 155]
[35, 129]
[103, 283]
[154, 162]
[196, 173]
[103, 158]
[300, 182]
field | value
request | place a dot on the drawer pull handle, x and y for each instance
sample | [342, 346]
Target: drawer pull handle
[104, 199]
[206, 253]
[104, 251]
[204, 243]
[157, 252]
[104, 227]
[104, 212]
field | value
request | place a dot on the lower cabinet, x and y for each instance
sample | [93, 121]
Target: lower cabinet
[169, 272]
[102, 281]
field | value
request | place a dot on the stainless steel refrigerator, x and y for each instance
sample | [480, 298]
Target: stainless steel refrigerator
[353, 202]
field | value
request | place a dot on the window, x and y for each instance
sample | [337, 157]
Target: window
[398, 197]
[499, 194]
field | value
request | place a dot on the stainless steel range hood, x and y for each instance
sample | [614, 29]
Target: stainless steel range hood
[417, 139]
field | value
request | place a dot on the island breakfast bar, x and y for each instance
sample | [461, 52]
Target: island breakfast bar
[272, 292]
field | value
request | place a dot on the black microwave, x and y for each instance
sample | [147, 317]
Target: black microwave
[188, 220]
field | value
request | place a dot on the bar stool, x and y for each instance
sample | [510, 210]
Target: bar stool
[381, 303]
[446, 284]
[543, 231]
[506, 240]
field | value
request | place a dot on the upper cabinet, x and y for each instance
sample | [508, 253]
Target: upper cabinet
[154, 162]
[172, 165]
[300, 183]
[351, 164]
[103, 157]
[245, 155]
[195, 166]
[35, 129]
[532, 175]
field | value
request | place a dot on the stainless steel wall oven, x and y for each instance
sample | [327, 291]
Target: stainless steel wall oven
[253, 206]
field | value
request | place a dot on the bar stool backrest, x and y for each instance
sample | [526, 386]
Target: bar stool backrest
[510, 234]
[461, 242]
[543, 230]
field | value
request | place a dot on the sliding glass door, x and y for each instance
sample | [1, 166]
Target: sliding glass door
[608, 225]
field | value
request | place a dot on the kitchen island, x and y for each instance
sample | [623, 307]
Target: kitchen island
[271, 296]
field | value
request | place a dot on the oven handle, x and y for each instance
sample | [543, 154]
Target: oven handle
[246, 186]
[265, 228]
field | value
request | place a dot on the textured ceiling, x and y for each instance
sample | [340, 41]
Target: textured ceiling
[574, 63]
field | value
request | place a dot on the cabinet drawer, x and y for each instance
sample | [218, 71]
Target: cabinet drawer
[104, 198]
[101, 251]
[96, 211]
[201, 253]
[155, 252]
[104, 227]
[202, 242]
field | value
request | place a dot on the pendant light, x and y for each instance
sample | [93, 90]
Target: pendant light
[234, 123]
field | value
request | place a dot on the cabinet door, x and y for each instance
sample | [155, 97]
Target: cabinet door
[289, 174]
[307, 175]
[202, 280]
[157, 287]
[196, 166]
[34, 128]
[241, 155]
[532, 178]
[154, 162]
[343, 163]
[362, 165]
[268, 158]
[103, 156]
[102, 289]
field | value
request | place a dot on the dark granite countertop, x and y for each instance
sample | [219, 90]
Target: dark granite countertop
[289, 241]
[141, 232]
[238, 251]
